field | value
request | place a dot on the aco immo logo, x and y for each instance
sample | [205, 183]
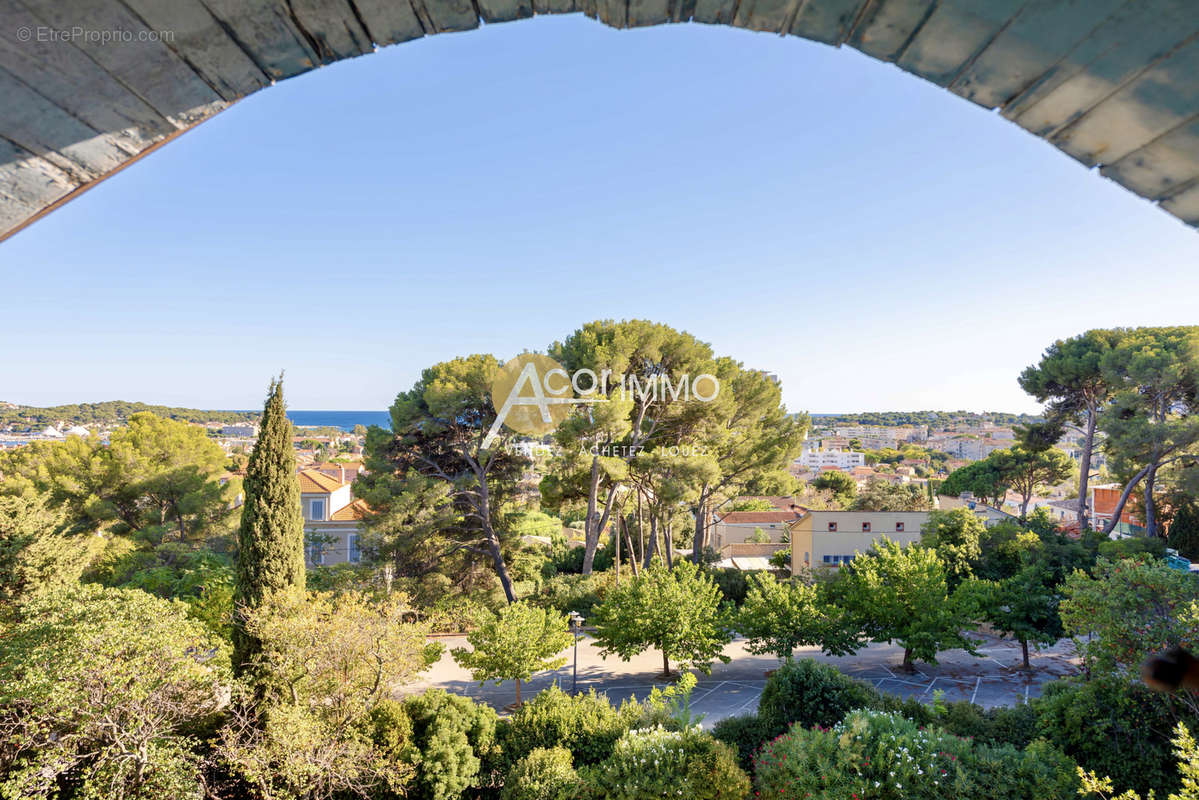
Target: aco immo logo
[533, 394]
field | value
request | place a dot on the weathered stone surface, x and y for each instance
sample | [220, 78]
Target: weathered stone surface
[1112, 83]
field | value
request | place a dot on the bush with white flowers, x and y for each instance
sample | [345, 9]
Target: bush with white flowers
[657, 762]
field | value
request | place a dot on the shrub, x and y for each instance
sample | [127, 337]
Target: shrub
[810, 693]
[581, 593]
[1016, 725]
[733, 584]
[1115, 728]
[868, 754]
[543, 774]
[1042, 772]
[656, 762]
[101, 685]
[586, 725]
[745, 734]
[454, 740]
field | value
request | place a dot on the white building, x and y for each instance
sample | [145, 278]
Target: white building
[817, 459]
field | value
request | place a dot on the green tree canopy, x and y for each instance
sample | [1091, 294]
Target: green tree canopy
[99, 686]
[676, 611]
[1129, 609]
[900, 594]
[512, 645]
[779, 616]
[956, 537]
[880, 494]
[270, 541]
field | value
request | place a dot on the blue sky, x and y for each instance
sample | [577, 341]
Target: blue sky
[873, 239]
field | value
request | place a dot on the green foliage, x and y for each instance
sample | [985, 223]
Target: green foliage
[35, 555]
[543, 774]
[745, 734]
[868, 754]
[1133, 546]
[806, 693]
[873, 754]
[453, 739]
[1025, 607]
[956, 536]
[676, 611]
[778, 616]
[657, 762]
[512, 645]
[733, 583]
[100, 685]
[316, 722]
[157, 479]
[842, 485]
[881, 495]
[113, 412]
[901, 594]
[270, 540]
[1184, 527]
[586, 725]
[581, 593]
[983, 479]
[1188, 767]
[1115, 728]
[1133, 608]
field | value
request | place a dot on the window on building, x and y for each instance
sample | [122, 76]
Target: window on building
[828, 559]
[316, 509]
[832, 526]
[355, 555]
[846, 559]
[316, 553]
[899, 527]
[865, 527]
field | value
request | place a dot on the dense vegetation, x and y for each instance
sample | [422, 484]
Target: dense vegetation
[160, 640]
[937, 420]
[112, 412]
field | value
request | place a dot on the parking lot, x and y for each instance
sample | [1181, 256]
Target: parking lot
[991, 679]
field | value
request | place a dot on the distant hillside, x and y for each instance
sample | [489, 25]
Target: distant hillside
[111, 412]
[934, 419]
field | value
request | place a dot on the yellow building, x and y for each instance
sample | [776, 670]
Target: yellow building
[831, 538]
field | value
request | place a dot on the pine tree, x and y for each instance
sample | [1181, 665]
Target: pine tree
[270, 541]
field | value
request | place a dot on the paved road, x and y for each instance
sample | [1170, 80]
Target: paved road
[993, 679]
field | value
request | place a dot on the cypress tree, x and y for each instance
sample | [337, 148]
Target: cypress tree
[270, 541]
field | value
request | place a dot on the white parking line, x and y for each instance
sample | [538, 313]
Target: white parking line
[976, 685]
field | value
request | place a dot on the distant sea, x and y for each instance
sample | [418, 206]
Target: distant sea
[346, 420]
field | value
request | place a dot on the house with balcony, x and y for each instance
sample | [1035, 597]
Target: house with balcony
[332, 519]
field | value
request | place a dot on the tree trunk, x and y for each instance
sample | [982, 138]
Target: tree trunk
[1150, 505]
[616, 536]
[628, 541]
[1024, 651]
[907, 659]
[501, 569]
[701, 526]
[665, 665]
[1128, 487]
[590, 530]
[589, 560]
[518, 693]
[652, 550]
[1024, 498]
[1084, 474]
[640, 531]
[668, 540]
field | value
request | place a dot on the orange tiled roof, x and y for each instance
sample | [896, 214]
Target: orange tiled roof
[313, 482]
[354, 511]
[755, 517]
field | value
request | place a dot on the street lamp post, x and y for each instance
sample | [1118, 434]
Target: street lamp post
[576, 622]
